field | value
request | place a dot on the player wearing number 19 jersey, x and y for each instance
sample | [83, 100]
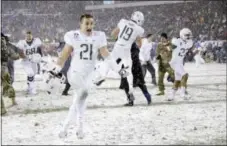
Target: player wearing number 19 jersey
[127, 32]
[180, 47]
[32, 50]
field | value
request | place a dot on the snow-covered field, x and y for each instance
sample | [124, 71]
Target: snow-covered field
[200, 121]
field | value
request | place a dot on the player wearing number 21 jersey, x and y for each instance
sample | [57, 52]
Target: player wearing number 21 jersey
[180, 47]
[83, 45]
[32, 50]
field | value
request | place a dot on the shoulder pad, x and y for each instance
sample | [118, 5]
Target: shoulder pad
[175, 41]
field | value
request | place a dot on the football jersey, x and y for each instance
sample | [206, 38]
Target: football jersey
[29, 49]
[181, 49]
[129, 31]
[85, 49]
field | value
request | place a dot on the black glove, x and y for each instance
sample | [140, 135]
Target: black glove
[158, 57]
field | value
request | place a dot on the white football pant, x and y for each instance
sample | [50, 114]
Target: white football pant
[198, 60]
[82, 83]
[31, 70]
[179, 71]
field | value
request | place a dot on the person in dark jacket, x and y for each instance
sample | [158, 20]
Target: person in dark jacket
[138, 79]
[7, 88]
[10, 63]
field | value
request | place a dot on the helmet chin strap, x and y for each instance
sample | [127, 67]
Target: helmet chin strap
[134, 21]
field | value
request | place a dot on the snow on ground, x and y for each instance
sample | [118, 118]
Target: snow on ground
[200, 121]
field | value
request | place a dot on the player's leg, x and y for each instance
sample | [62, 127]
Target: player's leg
[138, 79]
[81, 106]
[66, 89]
[144, 70]
[128, 63]
[183, 81]
[151, 69]
[147, 95]
[161, 87]
[177, 81]
[184, 86]
[201, 60]
[130, 90]
[7, 87]
[72, 114]
[3, 109]
[170, 71]
[124, 85]
[175, 87]
[196, 57]
[10, 65]
[77, 109]
[30, 76]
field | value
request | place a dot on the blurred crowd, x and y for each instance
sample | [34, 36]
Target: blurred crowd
[49, 20]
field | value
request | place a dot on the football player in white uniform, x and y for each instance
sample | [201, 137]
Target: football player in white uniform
[33, 52]
[127, 32]
[83, 45]
[180, 47]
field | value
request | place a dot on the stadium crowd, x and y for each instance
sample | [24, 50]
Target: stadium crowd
[49, 20]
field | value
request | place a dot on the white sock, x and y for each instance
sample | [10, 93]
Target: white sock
[182, 91]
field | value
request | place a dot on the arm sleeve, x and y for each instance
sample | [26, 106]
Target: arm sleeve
[16, 49]
[68, 38]
[39, 42]
[120, 23]
[19, 45]
[174, 43]
[103, 41]
[13, 55]
[141, 32]
[39, 49]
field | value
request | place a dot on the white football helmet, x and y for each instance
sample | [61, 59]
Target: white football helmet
[186, 34]
[138, 17]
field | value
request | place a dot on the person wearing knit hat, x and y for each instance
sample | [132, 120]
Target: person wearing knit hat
[163, 56]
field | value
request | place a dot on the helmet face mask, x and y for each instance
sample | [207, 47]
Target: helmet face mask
[138, 17]
[186, 34]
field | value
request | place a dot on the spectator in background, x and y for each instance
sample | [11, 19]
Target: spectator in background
[146, 50]
[163, 55]
[10, 62]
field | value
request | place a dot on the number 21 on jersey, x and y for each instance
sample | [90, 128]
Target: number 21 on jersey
[86, 53]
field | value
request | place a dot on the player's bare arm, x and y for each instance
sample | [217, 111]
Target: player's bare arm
[139, 42]
[115, 33]
[67, 50]
[104, 51]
